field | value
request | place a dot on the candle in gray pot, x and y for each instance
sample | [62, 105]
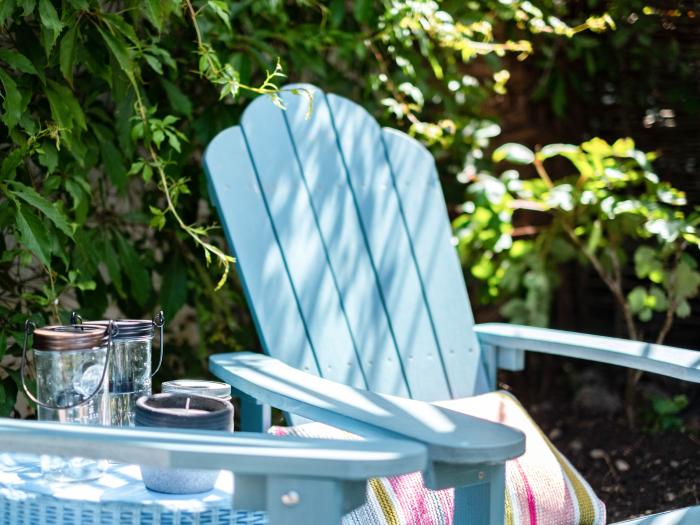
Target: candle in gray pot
[182, 411]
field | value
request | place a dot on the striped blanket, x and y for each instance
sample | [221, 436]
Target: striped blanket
[542, 487]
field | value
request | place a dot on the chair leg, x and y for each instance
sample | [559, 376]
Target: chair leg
[484, 503]
[254, 417]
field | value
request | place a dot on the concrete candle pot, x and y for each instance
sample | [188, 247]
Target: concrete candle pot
[182, 411]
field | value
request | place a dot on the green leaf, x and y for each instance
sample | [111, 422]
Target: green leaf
[113, 163]
[552, 150]
[683, 309]
[515, 311]
[684, 281]
[86, 285]
[179, 102]
[11, 162]
[154, 63]
[222, 11]
[49, 22]
[645, 315]
[154, 12]
[112, 262]
[10, 388]
[12, 101]
[362, 10]
[79, 196]
[134, 269]
[27, 6]
[483, 269]
[6, 8]
[514, 153]
[595, 236]
[657, 300]
[48, 157]
[65, 108]
[147, 173]
[669, 406]
[337, 8]
[120, 51]
[158, 219]
[646, 263]
[118, 23]
[32, 235]
[17, 60]
[66, 54]
[173, 291]
[636, 299]
[30, 196]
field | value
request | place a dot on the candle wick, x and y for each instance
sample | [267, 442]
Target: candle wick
[187, 406]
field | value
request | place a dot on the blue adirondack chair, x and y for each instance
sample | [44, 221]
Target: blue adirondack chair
[343, 247]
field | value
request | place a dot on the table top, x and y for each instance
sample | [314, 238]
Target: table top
[119, 490]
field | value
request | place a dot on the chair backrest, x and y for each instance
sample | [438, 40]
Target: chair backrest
[344, 248]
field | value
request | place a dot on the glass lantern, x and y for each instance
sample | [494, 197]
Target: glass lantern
[71, 365]
[130, 365]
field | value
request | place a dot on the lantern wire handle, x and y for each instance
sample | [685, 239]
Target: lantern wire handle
[159, 322]
[29, 328]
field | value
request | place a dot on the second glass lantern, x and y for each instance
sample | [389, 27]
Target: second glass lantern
[130, 364]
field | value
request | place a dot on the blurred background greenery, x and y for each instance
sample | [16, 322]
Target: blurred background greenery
[107, 106]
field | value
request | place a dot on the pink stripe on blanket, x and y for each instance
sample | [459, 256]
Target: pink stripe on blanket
[532, 508]
[411, 496]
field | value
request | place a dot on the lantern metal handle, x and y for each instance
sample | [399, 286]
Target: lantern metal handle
[29, 326]
[159, 322]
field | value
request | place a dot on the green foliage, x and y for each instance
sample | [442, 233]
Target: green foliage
[106, 108]
[629, 67]
[664, 414]
[611, 210]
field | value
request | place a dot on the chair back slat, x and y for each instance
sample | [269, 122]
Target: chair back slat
[442, 282]
[236, 194]
[322, 168]
[300, 242]
[370, 181]
[344, 248]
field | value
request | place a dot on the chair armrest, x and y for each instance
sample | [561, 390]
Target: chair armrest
[449, 436]
[242, 452]
[665, 360]
[686, 516]
[296, 480]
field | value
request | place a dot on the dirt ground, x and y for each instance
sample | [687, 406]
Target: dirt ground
[634, 471]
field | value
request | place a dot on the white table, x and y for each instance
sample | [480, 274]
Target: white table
[118, 497]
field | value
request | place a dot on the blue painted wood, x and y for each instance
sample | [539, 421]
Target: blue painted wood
[254, 415]
[325, 179]
[666, 360]
[451, 437]
[243, 211]
[244, 453]
[299, 500]
[686, 516]
[482, 502]
[302, 246]
[442, 283]
[370, 181]
[352, 250]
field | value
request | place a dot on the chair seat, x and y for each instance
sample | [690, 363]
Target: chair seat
[542, 487]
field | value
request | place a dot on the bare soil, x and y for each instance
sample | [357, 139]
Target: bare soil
[633, 470]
